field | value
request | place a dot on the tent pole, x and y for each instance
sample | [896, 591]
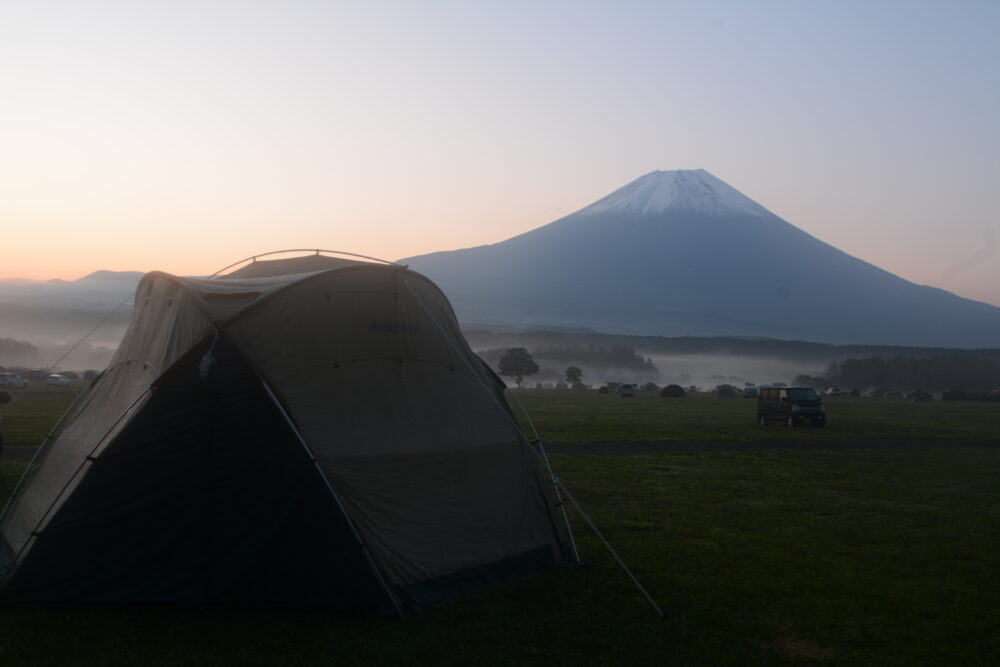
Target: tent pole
[336, 498]
[556, 484]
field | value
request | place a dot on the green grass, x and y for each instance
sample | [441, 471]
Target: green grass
[587, 416]
[33, 411]
[757, 558]
[772, 558]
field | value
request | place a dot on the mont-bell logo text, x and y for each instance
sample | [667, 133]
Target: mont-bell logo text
[408, 328]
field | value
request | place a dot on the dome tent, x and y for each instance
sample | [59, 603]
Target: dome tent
[307, 429]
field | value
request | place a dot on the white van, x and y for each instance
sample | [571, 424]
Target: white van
[58, 380]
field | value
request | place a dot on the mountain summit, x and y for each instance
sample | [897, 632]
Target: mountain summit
[683, 253]
[694, 190]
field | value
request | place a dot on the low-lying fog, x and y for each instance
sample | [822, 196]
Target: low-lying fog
[706, 370]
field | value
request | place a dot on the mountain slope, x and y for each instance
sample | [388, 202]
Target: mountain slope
[683, 253]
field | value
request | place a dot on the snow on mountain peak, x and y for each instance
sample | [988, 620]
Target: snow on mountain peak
[692, 190]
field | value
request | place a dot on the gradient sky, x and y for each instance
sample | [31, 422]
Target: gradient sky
[183, 136]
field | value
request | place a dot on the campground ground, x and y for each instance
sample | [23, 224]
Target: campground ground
[874, 541]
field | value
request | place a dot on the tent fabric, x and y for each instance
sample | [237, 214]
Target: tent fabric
[387, 424]
[204, 495]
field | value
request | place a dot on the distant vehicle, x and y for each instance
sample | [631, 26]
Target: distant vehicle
[750, 392]
[627, 390]
[57, 380]
[673, 391]
[791, 406]
[725, 391]
[13, 380]
[834, 391]
[919, 395]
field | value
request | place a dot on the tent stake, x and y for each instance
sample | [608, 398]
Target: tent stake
[336, 498]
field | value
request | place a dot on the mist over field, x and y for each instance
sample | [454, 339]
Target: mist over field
[53, 327]
[41, 320]
[60, 356]
[706, 371]
[702, 362]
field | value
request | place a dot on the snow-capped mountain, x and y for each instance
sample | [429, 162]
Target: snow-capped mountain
[683, 253]
[696, 191]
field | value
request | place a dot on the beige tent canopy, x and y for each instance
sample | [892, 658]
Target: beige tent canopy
[313, 428]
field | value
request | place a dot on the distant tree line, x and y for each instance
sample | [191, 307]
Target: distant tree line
[16, 351]
[736, 346]
[956, 371]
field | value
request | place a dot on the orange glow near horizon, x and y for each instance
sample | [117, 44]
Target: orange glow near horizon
[185, 136]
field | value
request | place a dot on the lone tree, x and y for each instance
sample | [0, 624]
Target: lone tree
[517, 363]
[573, 375]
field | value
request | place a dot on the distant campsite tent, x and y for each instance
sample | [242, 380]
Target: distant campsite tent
[306, 429]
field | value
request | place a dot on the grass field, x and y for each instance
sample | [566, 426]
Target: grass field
[586, 416]
[757, 558]
[33, 411]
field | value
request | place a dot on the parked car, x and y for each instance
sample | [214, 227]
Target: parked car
[57, 380]
[673, 391]
[13, 380]
[791, 406]
[627, 390]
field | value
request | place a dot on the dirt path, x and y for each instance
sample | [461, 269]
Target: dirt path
[678, 447]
